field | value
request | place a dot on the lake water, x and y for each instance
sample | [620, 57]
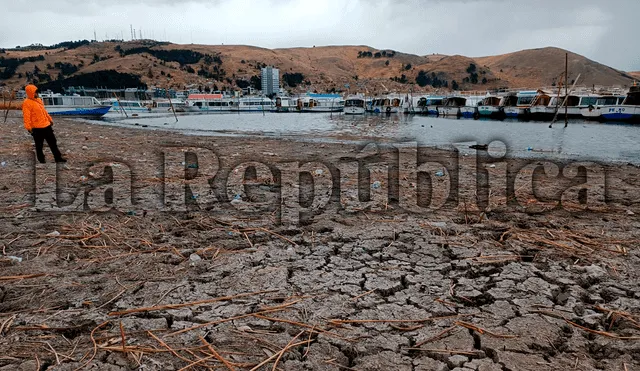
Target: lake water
[614, 142]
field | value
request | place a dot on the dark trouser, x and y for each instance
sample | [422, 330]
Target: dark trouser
[39, 136]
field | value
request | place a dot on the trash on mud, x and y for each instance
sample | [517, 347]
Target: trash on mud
[15, 259]
[53, 234]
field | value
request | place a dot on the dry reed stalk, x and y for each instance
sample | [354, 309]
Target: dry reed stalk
[190, 304]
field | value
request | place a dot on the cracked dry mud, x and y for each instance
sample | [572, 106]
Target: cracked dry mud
[514, 288]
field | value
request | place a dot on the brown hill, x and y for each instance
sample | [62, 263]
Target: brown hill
[542, 67]
[323, 68]
[635, 74]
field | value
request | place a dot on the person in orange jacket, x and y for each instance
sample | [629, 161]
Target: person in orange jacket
[38, 123]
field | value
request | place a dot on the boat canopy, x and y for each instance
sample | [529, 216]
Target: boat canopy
[491, 101]
[455, 101]
[632, 99]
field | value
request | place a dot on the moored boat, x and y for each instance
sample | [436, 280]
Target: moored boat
[320, 103]
[525, 101]
[208, 103]
[390, 103]
[252, 104]
[354, 105]
[629, 110]
[451, 106]
[470, 109]
[490, 107]
[433, 103]
[74, 106]
[594, 112]
[283, 104]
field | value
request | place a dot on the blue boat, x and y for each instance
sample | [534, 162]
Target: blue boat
[73, 106]
[629, 110]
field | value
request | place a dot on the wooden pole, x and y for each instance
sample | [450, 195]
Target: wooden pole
[566, 89]
[120, 105]
[171, 104]
[6, 113]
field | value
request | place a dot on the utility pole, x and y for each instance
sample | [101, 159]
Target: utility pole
[131, 26]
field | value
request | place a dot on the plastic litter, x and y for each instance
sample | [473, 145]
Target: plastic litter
[493, 166]
[529, 149]
[3, 163]
[53, 234]
[16, 259]
[192, 166]
[319, 171]
[376, 184]
[439, 173]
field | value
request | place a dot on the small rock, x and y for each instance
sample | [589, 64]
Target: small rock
[85, 147]
[194, 258]
[53, 234]
[457, 361]
[629, 212]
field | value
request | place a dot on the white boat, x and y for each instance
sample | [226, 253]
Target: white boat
[123, 107]
[166, 106]
[354, 105]
[470, 109]
[629, 110]
[571, 106]
[451, 106]
[433, 103]
[74, 106]
[209, 103]
[284, 104]
[320, 103]
[391, 103]
[252, 104]
[525, 101]
[594, 112]
[490, 106]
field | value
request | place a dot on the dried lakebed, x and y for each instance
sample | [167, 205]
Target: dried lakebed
[373, 287]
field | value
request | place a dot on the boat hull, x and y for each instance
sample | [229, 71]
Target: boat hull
[469, 112]
[490, 111]
[93, 112]
[449, 111]
[620, 113]
[514, 112]
[354, 110]
[322, 109]
[432, 110]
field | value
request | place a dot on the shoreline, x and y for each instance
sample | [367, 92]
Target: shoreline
[362, 285]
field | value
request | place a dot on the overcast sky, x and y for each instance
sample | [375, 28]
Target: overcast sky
[605, 31]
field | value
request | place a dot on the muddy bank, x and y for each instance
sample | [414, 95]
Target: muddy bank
[511, 274]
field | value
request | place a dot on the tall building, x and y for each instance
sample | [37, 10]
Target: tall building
[270, 80]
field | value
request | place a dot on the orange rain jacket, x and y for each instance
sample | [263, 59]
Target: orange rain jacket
[34, 114]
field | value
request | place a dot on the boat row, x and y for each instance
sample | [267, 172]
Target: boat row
[527, 105]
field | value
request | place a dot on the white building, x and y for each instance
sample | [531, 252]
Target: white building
[270, 80]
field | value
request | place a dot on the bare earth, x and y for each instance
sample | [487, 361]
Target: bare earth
[353, 288]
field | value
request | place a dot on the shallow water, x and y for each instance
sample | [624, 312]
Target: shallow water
[613, 142]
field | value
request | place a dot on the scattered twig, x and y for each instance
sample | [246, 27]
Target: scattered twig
[194, 303]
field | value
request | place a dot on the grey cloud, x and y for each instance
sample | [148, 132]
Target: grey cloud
[601, 31]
